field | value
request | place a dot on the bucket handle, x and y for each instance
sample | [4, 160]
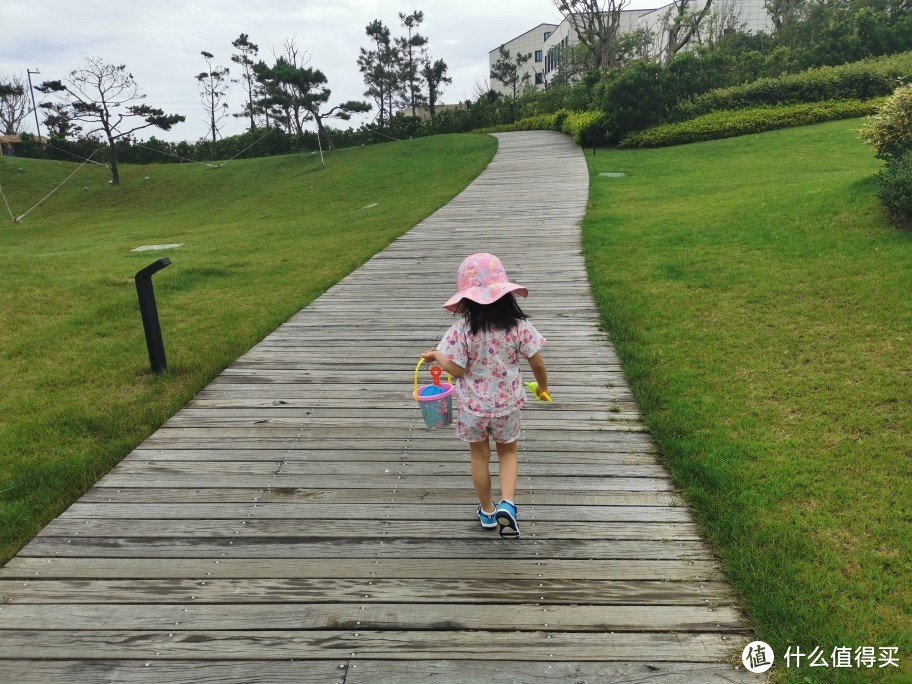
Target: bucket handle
[417, 368]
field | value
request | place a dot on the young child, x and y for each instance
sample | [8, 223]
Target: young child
[482, 351]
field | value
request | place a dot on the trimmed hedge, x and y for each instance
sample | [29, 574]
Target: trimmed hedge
[856, 81]
[540, 122]
[586, 128]
[727, 124]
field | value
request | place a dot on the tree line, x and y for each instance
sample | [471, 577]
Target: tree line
[103, 102]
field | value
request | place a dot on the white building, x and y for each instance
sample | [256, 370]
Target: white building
[543, 42]
[531, 42]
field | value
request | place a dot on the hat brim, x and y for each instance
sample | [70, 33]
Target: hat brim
[484, 294]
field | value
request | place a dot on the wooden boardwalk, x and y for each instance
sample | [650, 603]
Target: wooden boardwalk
[296, 522]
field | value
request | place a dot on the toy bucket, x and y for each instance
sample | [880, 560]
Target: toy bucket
[435, 400]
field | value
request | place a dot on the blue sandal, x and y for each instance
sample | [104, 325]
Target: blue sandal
[506, 519]
[488, 521]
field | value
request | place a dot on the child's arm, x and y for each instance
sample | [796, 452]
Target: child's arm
[453, 369]
[537, 364]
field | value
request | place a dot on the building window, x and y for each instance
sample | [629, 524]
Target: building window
[539, 78]
[547, 35]
[538, 55]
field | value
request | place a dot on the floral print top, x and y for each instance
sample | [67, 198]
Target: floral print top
[492, 385]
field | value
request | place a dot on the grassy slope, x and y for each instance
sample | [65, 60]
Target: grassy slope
[760, 303]
[262, 238]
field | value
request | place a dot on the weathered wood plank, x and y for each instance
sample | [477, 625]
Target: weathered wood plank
[98, 671]
[482, 590]
[356, 378]
[335, 396]
[316, 547]
[329, 423]
[406, 441]
[361, 616]
[560, 354]
[400, 467]
[403, 496]
[555, 440]
[391, 510]
[392, 480]
[317, 420]
[369, 672]
[352, 404]
[397, 645]
[546, 672]
[23, 568]
[366, 529]
[379, 455]
[399, 388]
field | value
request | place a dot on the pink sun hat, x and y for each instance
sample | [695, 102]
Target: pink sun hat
[482, 279]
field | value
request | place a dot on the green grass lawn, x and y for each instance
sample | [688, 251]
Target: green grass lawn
[261, 239]
[761, 304]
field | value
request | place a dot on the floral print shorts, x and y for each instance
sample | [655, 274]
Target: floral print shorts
[504, 429]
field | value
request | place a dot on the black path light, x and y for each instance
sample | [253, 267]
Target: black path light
[149, 312]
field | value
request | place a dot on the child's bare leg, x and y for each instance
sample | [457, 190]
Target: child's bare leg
[481, 472]
[509, 470]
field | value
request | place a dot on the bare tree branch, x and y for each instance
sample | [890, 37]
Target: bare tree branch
[15, 104]
[597, 25]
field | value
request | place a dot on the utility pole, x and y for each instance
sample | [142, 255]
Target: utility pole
[34, 108]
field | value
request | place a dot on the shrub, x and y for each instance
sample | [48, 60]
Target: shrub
[258, 143]
[401, 127]
[690, 74]
[889, 131]
[857, 81]
[727, 124]
[633, 99]
[485, 112]
[560, 116]
[64, 150]
[586, 128]
[573, 96]
[541, 122]
[895, 187]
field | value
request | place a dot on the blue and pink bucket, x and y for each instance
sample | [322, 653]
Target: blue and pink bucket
[435, 400]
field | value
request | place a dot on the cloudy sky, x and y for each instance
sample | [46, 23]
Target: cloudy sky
[160, 41]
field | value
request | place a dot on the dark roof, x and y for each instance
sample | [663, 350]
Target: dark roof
[15, 139]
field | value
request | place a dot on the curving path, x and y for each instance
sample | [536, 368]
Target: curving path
[296, 522]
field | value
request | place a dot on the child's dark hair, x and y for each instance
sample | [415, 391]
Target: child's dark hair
[500, 315]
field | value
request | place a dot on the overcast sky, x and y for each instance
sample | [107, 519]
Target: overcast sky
[160, 42]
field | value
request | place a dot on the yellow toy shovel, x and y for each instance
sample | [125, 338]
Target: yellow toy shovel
[541, 396]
